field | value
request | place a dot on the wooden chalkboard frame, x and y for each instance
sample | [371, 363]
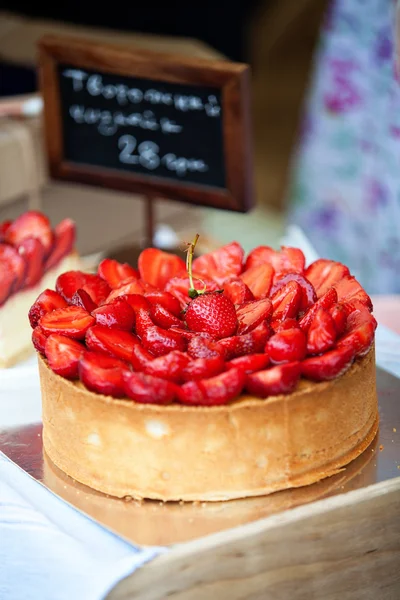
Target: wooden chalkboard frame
[232, 79]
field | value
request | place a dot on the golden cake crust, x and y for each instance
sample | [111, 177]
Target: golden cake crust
[249, 447]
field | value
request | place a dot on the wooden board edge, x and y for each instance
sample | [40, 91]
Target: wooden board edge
[302, 553]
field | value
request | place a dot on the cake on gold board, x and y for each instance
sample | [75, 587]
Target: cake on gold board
[32, 255]
[213, 379]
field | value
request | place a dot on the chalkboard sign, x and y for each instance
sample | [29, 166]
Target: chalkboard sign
[145, 122]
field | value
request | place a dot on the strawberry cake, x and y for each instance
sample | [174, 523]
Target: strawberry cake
[224, 376]
[32, 255]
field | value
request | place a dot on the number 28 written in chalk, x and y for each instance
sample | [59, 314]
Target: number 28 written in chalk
[146, 154]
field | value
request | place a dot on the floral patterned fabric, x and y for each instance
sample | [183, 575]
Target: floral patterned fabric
[345, 181]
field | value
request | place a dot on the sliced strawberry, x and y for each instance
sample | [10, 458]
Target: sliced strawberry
[188, 335]
[46, 302]
[117, 315]
[360, 331]
[278, 325]
[287, 300]
[4, 226]
[203, 347]
[113, 342]
[163, 318]
[249, 343]
[202, 368]
[287, 259]
[72, 321]
[71, 281]
[143, 321]
[308, 293]
[214, 391]
[221, 264]
[102, 374]
[179, 288]
[249, 363]
[166, 300]
[82, 298]
[39, 339]
[160, 341]
[281, 379]
[338, 313]
[330, 365]
[323, 274]
[30, 224]
[251, 314]
[135, 301]
[63, 355]
[259, 280]
[12, 269]
[64, 240]
[116, 273]
[147, 389]
[357, 314]
[287, 346]
[322, 334]
[157, 267]
[33, 252]
[169, 367]
[348, 290]
[237, 291]
[328, 299]
[133, 287]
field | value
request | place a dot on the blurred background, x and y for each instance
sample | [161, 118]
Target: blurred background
[277, 38]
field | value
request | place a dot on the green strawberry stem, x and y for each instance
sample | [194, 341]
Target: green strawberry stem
[193, 293]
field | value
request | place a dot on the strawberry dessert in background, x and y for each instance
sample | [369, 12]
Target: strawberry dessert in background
[210, 378]
[32, 255]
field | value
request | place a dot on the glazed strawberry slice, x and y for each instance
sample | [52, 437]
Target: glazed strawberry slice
[117, 315]
[358, 314]
[148, 389]
[278, 325]
[213, 391]
[204, 347]
[64, 240]
[322, 334]
[338, 313]
[160, 341]
[166, 300]
[323, 274]
[143, 321]
[281, 379]
[169, 367]
[237, 291]
[259, 280]
[309, 296]
[71, 281]
[102, 374]
[72, 321]
[135, 301]
[33, 252]
[133, 287]
[116, 273]
[39, 339]
[113, 342]
[360, 331]
[12, 271]
[4, 226]
[328, 299]
[163, 318]
[327, 366]
[179, 288]
[287, 259]
[82, 298]
[249, 363]
[63, 355]
[203, 368]
[157, 267]
[348, 290]
[30, 224]
[248, 343]
[288, 345]
[220, 264]
[251, 314]
[287, 300]
[46, 302]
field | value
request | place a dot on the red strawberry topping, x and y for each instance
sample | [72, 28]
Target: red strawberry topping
[148, 389]
[162, 317]
[72, 321]
[249, 343]
[113, 342]
[71, 281]
[216, 390]
[259, 279]
[33, 252]
[39, 339]
[116, 273]
[179, 288]
[287, 300]
[117, 315]
[4, 226]
[102, 374]
[13, 269]
[323, 274]
[204, 347]
[63, 355]
[46, 302]
[30, 224]
[237, 291]
[82, 298]
[278, 325]
[251, 314]
[322, 334]
[328, 299]
[287, 259]
[348, 289]
[166, 300]
[169, 367]
[281, 379]
[308, 293]
[202, 368]
[287, 345]
[160, 341]
[329, 365]
[135, 301]
[338, 313]
[64, 240]
[212, 313]
[157, 267]
[132, 288]
[360, 331]
[221, 264]
[249, 363]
